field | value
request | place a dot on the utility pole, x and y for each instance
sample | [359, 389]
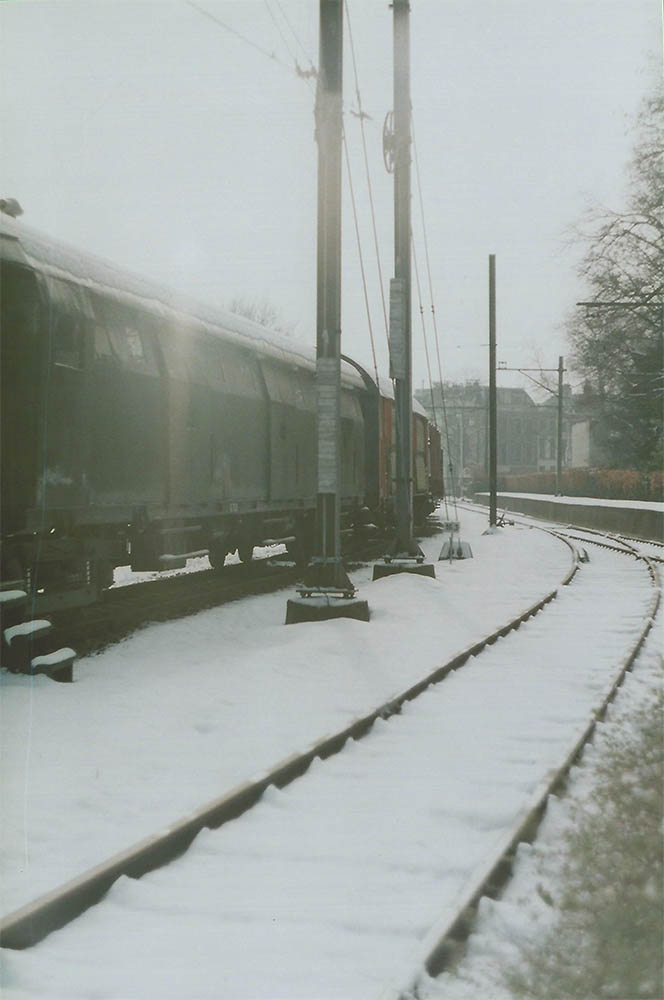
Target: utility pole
[559, 449]
[400, 297]
[406, 555]
[328, 298]
[493, 408]
[325, 576]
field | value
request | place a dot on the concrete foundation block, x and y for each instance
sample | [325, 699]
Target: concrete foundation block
[322, 608]
[390, 568]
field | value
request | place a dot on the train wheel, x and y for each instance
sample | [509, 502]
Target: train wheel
[217, 556]
[301, 549]
[245, 552]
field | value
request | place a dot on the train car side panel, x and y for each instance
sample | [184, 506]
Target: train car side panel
[292, 402]
[127, 413]
[20, 365]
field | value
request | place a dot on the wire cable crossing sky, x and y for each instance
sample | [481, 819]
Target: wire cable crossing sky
[177, 140]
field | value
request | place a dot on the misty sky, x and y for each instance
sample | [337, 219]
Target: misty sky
[183, 149]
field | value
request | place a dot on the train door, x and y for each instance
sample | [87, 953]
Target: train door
[127, 413]
[67, 317]
[20, 366]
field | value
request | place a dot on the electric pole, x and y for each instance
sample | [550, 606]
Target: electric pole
[400, 291]
[493, 408]
[328, 299]
[405, 555]
[325, 580]
[559, 449]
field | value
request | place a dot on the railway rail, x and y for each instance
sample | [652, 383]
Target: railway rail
[32, 922]
[444, 941]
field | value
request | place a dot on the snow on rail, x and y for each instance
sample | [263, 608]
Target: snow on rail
[326, 888]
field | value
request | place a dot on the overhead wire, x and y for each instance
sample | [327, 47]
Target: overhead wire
[454, 482]
[351, 185]
[426, 345]
[362, 117]
[280, 31]
[272, 56]
[361, 256]
[312, 71]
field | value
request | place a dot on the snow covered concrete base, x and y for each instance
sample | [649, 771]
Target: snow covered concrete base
[322, 609]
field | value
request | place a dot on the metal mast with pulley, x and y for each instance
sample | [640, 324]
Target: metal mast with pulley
[405, 555]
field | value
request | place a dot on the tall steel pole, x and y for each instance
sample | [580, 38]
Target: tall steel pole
[493, 409]
[328, 315]
[325, 576]
[559, 449]
[400, 291]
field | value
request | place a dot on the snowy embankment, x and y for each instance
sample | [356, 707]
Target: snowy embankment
[327, 888]
[640, 518]
[182, 712]
[582, 915]
[586, 501]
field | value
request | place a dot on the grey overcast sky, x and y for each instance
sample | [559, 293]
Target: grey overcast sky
[183, 149]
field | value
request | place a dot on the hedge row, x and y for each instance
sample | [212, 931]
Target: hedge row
[611, 484]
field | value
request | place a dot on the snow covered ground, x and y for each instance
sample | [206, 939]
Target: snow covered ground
[183, 711]
[325, 889]
[588, 501]
[510, 931]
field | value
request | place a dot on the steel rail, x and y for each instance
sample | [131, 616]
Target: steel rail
[455, 926]
[32, 922]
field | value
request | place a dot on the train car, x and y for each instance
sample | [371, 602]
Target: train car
[423, 499]
[436, 478]
[139, 427]
[142, 428]
[380, 473]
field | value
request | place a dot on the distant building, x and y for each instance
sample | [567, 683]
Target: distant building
[588, 432]
[527, 431]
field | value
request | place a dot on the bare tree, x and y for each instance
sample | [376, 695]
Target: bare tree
[263, 312]
[617, 341]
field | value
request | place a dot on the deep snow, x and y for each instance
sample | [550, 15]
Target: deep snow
[181, 712]
[325, 889]
[508, 929]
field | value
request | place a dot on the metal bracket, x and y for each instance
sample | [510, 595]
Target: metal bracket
[389, 142]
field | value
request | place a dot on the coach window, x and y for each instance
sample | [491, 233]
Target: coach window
[67, 343]
[134, 349]
[103, 351]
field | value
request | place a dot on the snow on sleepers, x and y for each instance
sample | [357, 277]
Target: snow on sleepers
[455, 923]
[327, 888]
[138, 741]
[32, 922]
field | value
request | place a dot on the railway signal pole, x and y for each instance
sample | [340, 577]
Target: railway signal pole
[405, 555]
[559, 446]
[493, 398]
[327, 592]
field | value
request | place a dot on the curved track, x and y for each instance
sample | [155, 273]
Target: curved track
[445, 939]
[35, 920]
[46, 914]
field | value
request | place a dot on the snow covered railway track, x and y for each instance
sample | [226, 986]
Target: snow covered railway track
[445, 940]
[344, 872]
[292, 876]
[32, 922]
[639, 547]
